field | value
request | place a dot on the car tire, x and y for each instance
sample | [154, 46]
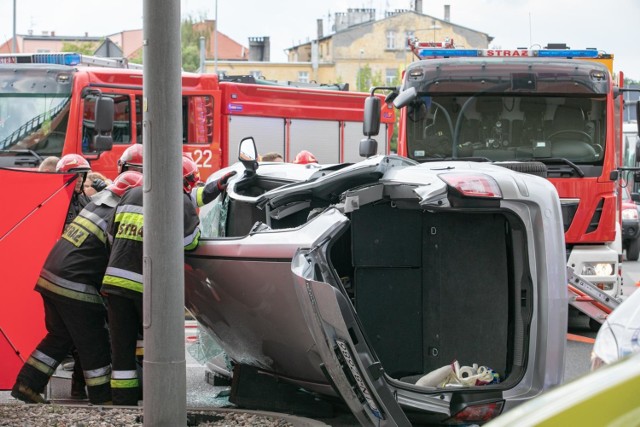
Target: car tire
[633, 250]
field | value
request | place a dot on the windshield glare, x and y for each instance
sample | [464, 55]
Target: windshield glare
[502, 128]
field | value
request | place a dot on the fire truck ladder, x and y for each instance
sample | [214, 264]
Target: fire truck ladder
[588, 298]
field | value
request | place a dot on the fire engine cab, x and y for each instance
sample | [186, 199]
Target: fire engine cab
[553, 112]
[48, 108]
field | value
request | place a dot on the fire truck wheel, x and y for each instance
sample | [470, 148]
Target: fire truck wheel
[533, 168]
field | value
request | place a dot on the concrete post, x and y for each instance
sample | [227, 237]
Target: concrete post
[164, 360]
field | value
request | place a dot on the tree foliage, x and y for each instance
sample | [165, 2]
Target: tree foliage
[190, 39]
[84, 48]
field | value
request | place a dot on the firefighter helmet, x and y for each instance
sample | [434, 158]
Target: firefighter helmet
[125, 181]
[190, 174]
[131, 157]
[304, 157]
[73, 163]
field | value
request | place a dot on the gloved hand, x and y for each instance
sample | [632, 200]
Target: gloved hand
[98, 184]
[214, 188]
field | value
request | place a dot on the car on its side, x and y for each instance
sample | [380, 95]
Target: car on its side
[372, 282]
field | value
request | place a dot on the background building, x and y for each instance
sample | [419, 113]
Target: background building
[360, 50]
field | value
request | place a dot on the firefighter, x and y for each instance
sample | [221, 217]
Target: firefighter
[75, 314]
[123, 281]
[131, 159]
[305, 157]
[78, 164]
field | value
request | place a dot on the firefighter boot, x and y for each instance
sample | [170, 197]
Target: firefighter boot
[26, 394]
[78, 390]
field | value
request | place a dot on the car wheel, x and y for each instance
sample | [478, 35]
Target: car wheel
[633, 250]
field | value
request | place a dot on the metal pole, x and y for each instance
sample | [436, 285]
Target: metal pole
[202, 54]
[215, 42]
[13, 40]
[164, 379]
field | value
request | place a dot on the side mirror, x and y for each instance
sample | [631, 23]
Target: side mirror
[371, 123]
[248, 155]
[405, 97]
[368, 147]
[104, 114]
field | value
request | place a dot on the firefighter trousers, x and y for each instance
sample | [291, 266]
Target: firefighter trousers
[69, 324]
[125, 323]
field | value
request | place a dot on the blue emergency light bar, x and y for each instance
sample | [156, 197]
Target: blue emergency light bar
[567, 53]
[448, 52]
[506, 53]
[69, 59]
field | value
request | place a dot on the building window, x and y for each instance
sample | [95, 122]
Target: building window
[407, 35]
[391, 39]
[391, 76]
[303, 76]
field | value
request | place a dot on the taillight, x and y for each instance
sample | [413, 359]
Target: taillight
[473, 184]
[477, 413]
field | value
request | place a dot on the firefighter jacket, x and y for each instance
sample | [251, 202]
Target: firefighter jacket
[124, 271]
[75, 266]
[78, 202]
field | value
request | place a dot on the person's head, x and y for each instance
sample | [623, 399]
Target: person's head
[272, 157]
[90, 182]
[304, 157]
[131, 159]
[49, 164]
[190, 174]
[125, 181]
[74, 163]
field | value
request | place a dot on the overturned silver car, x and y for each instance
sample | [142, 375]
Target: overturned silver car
[380, 282]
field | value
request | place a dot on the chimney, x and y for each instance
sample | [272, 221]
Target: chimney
[86, 34]
[53, 33]
[418, 6]
[447, 13]
[320, 35]
[259, 48]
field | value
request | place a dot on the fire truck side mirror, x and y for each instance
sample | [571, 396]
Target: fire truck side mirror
[405, 97]
[104, 114]
[371, 122]
[368, 147]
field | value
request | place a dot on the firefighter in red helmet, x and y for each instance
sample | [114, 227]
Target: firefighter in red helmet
[75, 163]
[123, 280]
[75, 314]
[131, 159]
[305, 157]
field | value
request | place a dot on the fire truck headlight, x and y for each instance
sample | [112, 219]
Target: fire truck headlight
[597, 269]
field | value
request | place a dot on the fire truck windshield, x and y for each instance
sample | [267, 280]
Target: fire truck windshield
[36, 122]
[34, 108]
[495, 127]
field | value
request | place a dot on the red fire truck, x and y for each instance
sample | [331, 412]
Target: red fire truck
[48, 104]
[554, 112]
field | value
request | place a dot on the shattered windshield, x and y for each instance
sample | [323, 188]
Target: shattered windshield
[34, 110]
[494, 127]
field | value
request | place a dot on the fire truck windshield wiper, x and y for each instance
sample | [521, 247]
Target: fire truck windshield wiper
[561, 161]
